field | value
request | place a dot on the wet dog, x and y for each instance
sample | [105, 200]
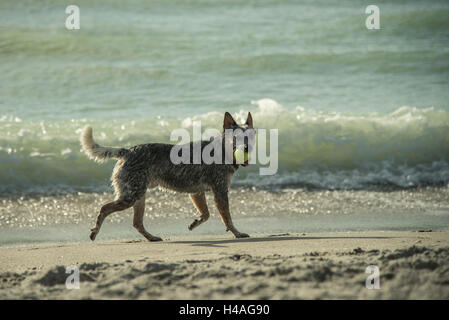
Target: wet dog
[149, 165]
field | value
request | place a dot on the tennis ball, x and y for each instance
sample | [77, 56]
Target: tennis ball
[241, 156]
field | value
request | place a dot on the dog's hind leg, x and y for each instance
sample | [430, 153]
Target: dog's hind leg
[199, 200]
[106, 210]
[139, 210]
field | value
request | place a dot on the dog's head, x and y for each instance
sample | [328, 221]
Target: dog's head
[242, 137]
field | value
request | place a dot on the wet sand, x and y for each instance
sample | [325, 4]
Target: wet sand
[412, 265]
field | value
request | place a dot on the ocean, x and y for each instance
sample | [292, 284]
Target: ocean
[362, 115]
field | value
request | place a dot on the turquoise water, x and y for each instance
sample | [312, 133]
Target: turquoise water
[361, 113]
[354, 107]
[142, 59]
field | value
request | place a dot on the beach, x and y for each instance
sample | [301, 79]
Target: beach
[412, 265]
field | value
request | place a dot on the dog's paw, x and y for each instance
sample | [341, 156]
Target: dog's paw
[242, 235]
[93, 234]
[154, 239]
[194, 224]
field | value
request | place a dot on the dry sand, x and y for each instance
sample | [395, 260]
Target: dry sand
[412, 265]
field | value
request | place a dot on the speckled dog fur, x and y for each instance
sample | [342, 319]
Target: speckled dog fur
[149, 165]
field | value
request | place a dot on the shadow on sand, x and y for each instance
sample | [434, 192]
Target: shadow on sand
[217, 242]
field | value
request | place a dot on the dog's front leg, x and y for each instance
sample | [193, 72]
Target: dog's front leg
[222, 203]
[199, 200]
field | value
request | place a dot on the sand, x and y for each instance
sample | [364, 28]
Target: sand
[412, 265]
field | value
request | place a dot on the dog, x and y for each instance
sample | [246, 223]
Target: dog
[149, 165]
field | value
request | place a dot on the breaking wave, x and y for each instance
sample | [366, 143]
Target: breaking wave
[327, 150]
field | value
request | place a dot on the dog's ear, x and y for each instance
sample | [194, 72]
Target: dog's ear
[249, 120]
[228, 121]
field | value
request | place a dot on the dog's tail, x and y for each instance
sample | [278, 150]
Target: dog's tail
[99, 153]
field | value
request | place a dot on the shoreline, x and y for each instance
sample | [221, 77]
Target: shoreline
[205, 237]
[413, 265]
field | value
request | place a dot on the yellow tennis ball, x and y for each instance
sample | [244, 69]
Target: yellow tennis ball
[241, 156]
